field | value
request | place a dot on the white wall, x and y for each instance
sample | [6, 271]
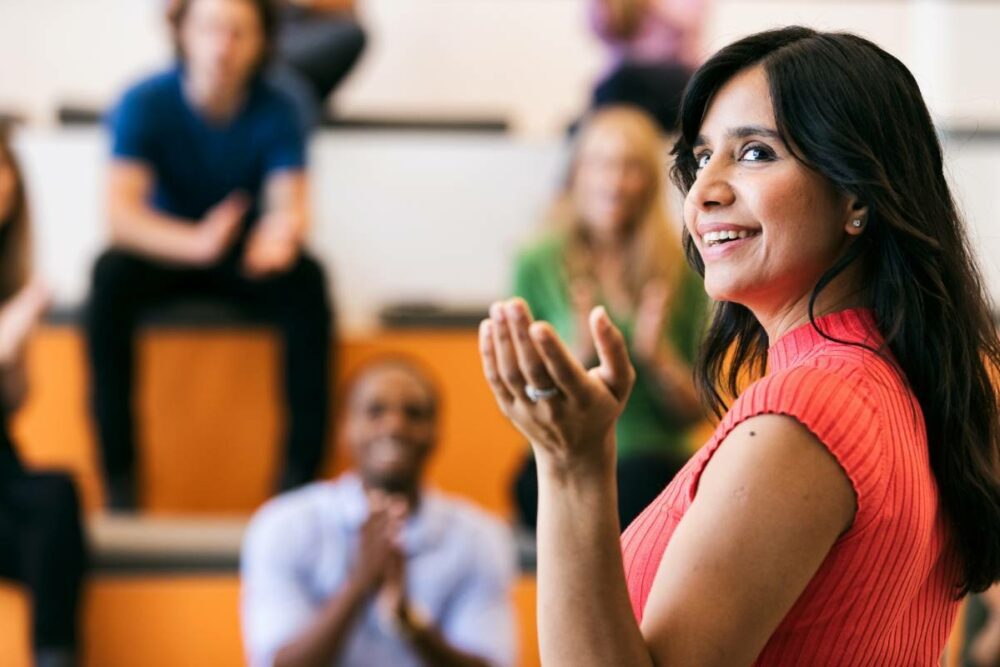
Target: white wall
[530, 59]
[429, 218]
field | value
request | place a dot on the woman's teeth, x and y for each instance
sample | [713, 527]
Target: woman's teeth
[715, 238]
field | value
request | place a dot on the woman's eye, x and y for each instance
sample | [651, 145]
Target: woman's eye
[756, 153]
[701, 161]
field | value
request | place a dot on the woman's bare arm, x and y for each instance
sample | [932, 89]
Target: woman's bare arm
[771, 504]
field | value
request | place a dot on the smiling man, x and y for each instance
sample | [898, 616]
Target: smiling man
[208, 196]
[374, 568]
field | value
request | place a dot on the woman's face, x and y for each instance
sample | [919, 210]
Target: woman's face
[611, 183]
[8, 186]
[789, 221]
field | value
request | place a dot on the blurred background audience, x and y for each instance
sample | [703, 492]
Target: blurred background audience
[317, 43]
[653, 47]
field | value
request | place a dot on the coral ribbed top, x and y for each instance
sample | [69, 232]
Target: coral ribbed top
[884, 595]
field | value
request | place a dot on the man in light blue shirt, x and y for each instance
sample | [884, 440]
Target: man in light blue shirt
[373, 569]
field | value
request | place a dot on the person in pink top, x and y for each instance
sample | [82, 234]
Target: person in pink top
[850, 494]
[653, 47]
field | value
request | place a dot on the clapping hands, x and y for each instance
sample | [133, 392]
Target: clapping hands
[572, 428]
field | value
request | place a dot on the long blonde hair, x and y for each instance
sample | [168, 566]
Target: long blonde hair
[653, 249]
[15, 236]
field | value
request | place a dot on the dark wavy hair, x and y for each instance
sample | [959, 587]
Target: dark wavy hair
[854, 113]
[266, 9]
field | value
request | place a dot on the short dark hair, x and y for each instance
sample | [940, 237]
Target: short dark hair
[853, 113]
[402, 362]
[267, 11]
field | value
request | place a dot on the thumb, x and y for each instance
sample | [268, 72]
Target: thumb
[615, 369]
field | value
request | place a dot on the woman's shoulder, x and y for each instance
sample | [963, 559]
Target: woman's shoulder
[815, 386]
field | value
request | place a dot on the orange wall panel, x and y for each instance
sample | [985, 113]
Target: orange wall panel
[210, 418]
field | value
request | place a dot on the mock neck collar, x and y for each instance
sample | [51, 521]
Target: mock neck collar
[855, 325]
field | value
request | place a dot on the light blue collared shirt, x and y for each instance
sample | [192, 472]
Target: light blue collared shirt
[300, 548]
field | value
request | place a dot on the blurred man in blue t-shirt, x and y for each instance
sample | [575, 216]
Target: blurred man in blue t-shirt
[208, 196]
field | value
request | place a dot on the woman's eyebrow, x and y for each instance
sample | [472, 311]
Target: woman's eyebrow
[742, 132]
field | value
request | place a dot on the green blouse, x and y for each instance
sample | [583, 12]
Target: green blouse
[647, 425]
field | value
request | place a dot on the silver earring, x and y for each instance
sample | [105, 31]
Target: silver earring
[856, 223]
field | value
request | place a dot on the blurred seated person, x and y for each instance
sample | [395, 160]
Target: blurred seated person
[208, 197]
[613, 244]
[984, 646]
[318, 43]
[653, 47]
[41, 539]
[374, 567]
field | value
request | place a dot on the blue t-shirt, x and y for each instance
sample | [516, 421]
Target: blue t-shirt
[197, 163]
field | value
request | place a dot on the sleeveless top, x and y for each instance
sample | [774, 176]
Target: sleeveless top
[885, 593]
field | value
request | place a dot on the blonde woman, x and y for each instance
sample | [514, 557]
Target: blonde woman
[613, 244]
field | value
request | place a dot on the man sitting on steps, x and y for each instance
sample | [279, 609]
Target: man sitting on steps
[374, 568]
[207, 195]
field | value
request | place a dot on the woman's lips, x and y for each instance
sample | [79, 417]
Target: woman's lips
[720, 250]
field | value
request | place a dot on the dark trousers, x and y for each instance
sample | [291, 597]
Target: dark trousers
[641, 478]
[656, 88]
[125, 285]
[42, 547]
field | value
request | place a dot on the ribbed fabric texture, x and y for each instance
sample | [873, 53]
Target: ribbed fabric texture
[885, 593]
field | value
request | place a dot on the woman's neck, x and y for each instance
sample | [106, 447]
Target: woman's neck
[844, 292]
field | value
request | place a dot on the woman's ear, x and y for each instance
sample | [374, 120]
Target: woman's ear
[857, 216]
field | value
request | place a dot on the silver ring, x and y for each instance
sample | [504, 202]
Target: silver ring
[535, 394]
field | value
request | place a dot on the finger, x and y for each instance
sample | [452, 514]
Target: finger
[238, 199]
[567, 373]
[503, 346]
[615, 368]
[528, 358]
[377, 502]
[490, 368]
[398, 507]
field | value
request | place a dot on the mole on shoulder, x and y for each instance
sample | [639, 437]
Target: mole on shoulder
[752, 434]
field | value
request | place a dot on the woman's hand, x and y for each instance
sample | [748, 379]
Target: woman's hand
[572, 430]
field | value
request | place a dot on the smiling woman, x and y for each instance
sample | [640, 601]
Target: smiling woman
[851, 494]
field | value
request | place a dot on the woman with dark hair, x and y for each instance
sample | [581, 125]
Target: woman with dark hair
[850, 495]
[41, 538]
